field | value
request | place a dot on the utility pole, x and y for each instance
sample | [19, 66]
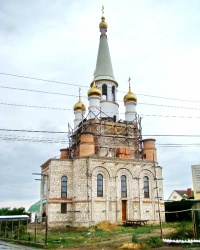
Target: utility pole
[158, 198]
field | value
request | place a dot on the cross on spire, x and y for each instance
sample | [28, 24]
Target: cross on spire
[129, 81]
[102, 10]
[79, 93]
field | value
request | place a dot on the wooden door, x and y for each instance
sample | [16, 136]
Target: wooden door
[123, 210]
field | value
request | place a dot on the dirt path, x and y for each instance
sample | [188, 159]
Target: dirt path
[115, 243]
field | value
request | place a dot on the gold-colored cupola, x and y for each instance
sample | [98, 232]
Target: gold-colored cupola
[130, 96]
[94, 91]
[103, 24]
[79, 105]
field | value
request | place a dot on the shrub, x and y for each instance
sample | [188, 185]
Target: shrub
[183, 231]
[134, 238]
[154, 242]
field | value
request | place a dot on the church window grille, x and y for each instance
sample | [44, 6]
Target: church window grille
[99, 185]
[123, 186]
[146, 187]
[64, 187]
[104, 92]
[63, 208]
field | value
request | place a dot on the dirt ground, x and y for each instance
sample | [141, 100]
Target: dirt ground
[127, 239]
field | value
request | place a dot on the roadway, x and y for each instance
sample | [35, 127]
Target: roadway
[6, 245]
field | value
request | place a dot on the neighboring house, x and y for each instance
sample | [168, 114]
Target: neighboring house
[34, 210]
[107, 171]
[178, 195]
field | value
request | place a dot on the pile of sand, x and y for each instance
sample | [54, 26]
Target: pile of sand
[131, 246]
[107, 226]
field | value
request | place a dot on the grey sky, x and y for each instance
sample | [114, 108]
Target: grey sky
[156, 43]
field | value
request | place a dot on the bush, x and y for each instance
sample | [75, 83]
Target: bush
[154, 242]
[134, 238]
[183, 231]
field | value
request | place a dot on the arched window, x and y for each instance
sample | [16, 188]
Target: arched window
[99, 185]
[113, 93]
[123, 186]
[104, 92]
[146, 187]
[45, 189]
[64, 187]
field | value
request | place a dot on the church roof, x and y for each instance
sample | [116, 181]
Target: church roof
[104, 70]
[35, 207]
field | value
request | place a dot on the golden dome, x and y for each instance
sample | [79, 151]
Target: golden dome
[103, 24]
[79, 105]
[130, 97]
[94, 90]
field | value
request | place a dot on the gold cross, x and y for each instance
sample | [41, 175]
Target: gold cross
[102, 10]
[129, 81]
[79, 93]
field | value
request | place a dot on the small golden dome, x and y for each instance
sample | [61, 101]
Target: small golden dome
[94, 90]
[130, 97]
[79, 105]
[103, 24]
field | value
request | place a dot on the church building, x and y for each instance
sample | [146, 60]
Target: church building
[108, 171]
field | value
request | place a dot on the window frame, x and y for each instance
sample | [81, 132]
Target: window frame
[64, 186]
[100, 186]
[113, 93]
[63, 208]
[146, 187]
[105, 91]
[123, 186]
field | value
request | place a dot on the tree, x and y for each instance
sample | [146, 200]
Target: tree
[15, 211]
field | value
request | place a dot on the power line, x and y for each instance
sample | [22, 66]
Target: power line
[171, 116]
[45, 107]
[62, 94]
[64, 109]
[32, 139]
[37, 91]
[64, 132]
[31, 106]
[58, 141]
[33, 131]
[84, 86]
[40, 79]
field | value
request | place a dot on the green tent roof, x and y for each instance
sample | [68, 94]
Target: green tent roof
[35, 207]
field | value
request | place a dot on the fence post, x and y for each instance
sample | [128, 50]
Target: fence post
[18, 229]
[35, 229]
[5, 229]
[46, 230]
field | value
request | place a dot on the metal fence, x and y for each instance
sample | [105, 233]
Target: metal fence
[18, 228]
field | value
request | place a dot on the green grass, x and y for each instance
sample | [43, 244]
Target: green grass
[93, 237]
[72, 237]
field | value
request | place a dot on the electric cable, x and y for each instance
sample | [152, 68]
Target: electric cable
[84, 86]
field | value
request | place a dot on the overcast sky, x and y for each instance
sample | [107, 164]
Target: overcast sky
[155, 42]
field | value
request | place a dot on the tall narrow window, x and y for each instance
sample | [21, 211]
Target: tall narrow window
[99, 185]
[146, 187]
[113, 93]
[104, 92]
[123, 186]
[64, 187]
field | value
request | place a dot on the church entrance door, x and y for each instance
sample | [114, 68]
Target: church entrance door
[123, 210]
